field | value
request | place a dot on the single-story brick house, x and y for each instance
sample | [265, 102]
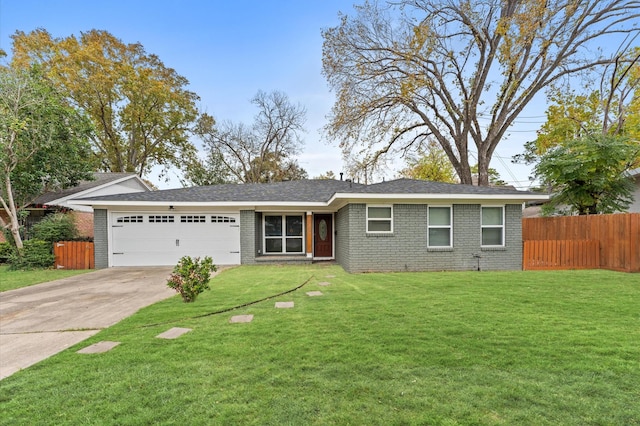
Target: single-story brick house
[399, 225]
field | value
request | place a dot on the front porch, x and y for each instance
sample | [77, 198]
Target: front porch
[285, 260]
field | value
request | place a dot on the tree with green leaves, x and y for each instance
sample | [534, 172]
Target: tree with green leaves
[141, 110]
[611, 109]
[457, 71]
[588, 175]
[263, 151]
[430, 163]
[44, 144]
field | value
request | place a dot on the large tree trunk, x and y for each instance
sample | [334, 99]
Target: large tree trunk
[464, 173]
[483, 168]
[12, 212]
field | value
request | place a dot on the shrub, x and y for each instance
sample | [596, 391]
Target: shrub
[190, 277]
[55, 227]
[34, 254]
[6, 250]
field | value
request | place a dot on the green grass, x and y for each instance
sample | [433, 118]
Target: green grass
[376, 349]
[10, 280]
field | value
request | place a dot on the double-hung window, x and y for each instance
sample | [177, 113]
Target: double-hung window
[440, 227]
[283, 234]
[492, 224]
[380, 219]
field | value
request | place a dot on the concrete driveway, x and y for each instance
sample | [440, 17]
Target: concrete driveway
[42, 320]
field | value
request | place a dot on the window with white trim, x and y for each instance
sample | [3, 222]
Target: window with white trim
[440, 226]
[492, 224]
[283, 234]
[379, 219]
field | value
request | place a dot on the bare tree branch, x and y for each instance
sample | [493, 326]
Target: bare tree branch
[443, 63]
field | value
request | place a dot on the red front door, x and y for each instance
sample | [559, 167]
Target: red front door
[323, 235]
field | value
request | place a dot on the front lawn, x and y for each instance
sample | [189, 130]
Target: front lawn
[375, 349]
[10, 280]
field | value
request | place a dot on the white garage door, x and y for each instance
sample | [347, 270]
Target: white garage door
[153, 239]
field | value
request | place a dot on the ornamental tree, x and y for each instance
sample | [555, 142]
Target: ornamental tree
[588, 175]
[44, 144]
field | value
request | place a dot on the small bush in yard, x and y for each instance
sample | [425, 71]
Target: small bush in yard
[190, 277]
[55, 227]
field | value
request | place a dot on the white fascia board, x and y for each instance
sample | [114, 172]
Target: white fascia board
[88, 192]
[251, 204]
[337, 199]
[421, 197]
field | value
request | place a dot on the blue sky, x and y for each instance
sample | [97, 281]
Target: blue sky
[228, 50]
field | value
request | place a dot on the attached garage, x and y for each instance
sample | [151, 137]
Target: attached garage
[154, 239]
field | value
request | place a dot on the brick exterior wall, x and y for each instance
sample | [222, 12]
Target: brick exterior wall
[342, 231]
[406, 248]
[100, 239]
[258, 231]
[247, 237]
[84, 223]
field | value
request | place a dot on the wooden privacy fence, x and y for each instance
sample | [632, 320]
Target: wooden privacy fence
[73, 255]
[573, 242]
[561, 254]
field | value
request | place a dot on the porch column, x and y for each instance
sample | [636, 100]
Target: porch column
[309, 236]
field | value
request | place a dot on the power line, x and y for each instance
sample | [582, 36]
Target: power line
[481, 115]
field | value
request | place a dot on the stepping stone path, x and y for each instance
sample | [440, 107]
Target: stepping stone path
[173, 333]
[176, 332]
[330, 276]
[99, 347]
[241, 318]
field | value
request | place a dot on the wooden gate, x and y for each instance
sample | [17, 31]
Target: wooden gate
[73, 255]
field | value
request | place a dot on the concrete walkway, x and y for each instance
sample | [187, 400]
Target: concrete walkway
[42, 320]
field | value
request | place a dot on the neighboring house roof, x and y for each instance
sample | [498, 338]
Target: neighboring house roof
[87, 187]
[309, 192]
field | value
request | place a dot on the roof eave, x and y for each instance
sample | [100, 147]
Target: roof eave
[112, 203]
[336, 199]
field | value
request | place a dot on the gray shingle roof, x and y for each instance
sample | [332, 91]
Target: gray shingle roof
[413, 186]
[300, 191]
[100, 179]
